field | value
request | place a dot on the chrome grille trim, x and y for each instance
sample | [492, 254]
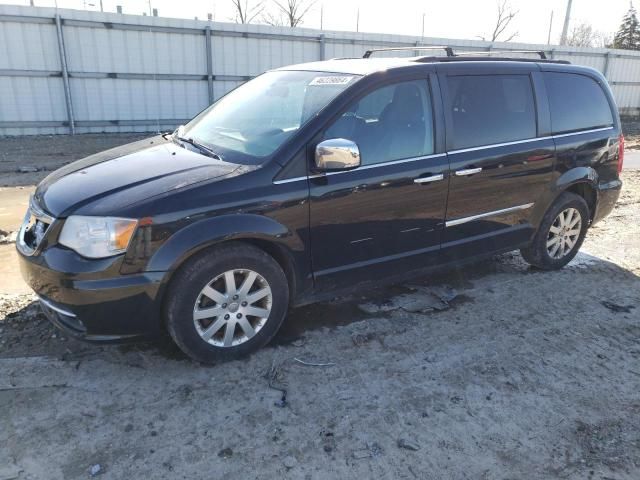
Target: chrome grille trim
[40, 216]
[39, 213]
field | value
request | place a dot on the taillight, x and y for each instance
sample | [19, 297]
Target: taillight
[620, 153]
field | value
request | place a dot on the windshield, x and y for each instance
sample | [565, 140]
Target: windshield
[256, 118]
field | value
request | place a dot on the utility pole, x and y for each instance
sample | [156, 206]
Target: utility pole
[150, 9]
[358, 20]
[423, 15]
[321, 15]
[565, 27]
[550, 25]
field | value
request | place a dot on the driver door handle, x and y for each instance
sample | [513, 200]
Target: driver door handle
[432, 178]
[468, 171]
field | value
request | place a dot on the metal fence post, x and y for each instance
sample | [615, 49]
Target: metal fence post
[605, 71]
[207, 36]
[322, 46]
[65, 75]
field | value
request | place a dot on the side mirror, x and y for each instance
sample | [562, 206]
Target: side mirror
[337, 154]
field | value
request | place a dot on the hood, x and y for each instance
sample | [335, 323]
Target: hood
[130, 173]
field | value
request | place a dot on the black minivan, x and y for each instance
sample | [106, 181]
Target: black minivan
[313, 179]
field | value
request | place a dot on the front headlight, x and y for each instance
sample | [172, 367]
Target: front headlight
[97, 237]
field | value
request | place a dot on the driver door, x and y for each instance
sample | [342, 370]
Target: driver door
[387, 215]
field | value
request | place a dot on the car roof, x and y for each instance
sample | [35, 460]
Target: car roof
[366, 66]
[355, 66]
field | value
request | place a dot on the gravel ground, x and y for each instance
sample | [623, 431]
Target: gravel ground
[27, 162]
[492, 371]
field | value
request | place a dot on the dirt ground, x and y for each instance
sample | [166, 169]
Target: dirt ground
[494, 371]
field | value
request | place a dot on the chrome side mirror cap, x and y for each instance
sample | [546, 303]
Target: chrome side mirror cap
[337, 154]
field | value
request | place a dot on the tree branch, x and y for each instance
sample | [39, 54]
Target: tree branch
[505, 17]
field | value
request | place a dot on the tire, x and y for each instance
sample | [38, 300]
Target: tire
[201, 308]
[537, 253]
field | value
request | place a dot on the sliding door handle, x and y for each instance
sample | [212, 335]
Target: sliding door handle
[432, 178]
[468, 171]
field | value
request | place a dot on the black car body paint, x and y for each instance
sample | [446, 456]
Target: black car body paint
[328, 232]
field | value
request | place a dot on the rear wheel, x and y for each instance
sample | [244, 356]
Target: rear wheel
[226, 303]
[560, 234]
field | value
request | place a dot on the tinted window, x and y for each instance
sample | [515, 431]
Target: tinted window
[390, 123]
[576, 102]
[489, 109]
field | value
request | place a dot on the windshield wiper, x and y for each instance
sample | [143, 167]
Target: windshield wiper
[203, 148]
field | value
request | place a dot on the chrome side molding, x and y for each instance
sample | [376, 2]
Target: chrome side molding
[362, 167]
[450, 152]
[528, 140]
[460, 221]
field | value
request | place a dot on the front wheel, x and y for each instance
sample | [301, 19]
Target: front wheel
[560, 234]
[226, 303]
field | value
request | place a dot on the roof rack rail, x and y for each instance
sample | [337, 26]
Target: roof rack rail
[450, 53]
[543, 55]
[447, 49]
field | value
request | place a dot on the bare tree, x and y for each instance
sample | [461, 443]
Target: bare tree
[505, 16]
[289, 12]
[247, 11]
[584, 35]
[273, 18]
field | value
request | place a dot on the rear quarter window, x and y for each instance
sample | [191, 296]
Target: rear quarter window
[577, 102]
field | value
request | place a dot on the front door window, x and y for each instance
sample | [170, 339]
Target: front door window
[391, 123]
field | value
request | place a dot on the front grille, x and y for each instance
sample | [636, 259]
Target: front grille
[34, 228]
[34, 232]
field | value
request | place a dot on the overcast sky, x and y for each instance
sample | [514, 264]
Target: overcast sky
[443, 18]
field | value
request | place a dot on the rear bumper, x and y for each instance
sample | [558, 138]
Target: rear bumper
[94, 303]
[608, 194]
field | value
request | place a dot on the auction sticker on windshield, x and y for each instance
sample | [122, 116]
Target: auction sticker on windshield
[332, 80]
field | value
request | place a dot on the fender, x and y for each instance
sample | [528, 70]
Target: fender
[207, 232]
[565, 181]
[576, 175]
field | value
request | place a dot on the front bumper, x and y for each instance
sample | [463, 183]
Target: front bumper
[90, 299]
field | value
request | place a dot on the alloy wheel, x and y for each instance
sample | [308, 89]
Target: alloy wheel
[564, 233]
[232, 308]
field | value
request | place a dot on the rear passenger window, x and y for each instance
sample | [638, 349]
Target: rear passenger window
[488, 109]
[391, 123]
[576, 102]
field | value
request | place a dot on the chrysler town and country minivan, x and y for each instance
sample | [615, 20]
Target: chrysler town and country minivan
[316, 178]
